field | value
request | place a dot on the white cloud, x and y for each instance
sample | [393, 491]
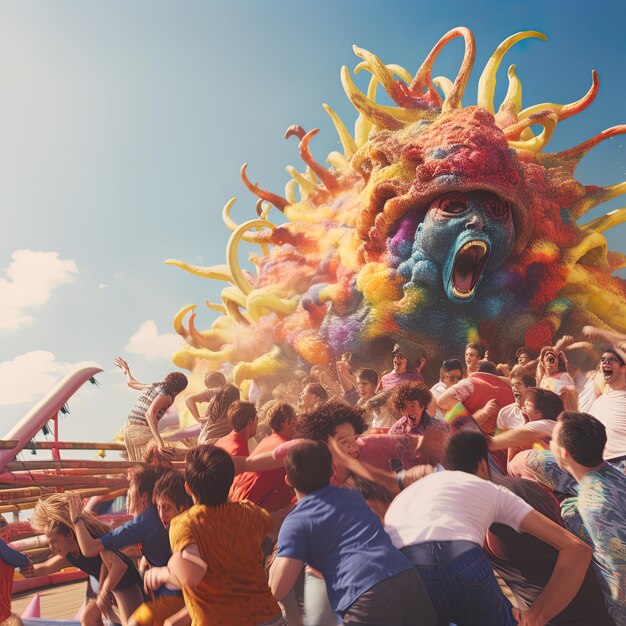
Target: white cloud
[29, 376]
[31, 276]
[148, 343]
[102, 285]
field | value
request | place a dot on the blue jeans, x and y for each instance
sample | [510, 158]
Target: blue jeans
[461, 584]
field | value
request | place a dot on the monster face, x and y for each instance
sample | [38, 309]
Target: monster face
[468, 236]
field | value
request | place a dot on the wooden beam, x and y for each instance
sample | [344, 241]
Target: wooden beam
[16, 466]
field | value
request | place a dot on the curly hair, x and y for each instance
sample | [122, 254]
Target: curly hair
[174, 383]
[411, 392]
[321, 423]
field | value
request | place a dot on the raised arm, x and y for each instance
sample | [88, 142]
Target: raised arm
[89, 546]
[131, 381]
[568, 574]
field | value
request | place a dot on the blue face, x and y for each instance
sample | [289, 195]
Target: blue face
[467, 236]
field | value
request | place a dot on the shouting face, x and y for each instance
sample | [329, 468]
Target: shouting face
[468, 235]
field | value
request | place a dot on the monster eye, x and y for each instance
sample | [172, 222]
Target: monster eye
[497, 208]
[454, 204]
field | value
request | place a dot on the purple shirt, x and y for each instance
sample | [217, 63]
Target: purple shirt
[391, 380]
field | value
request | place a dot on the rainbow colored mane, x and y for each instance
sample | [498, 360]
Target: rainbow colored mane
[351, 265]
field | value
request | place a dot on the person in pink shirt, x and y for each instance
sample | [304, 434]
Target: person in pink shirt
[403, 369]
[412, 400]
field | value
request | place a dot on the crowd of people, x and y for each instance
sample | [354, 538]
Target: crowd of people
[495, 496]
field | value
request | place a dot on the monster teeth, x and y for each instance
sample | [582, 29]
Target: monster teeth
[477, 243]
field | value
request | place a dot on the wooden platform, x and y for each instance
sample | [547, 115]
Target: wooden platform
[59, 602]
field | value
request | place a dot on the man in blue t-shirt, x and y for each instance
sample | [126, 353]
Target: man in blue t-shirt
[334, 531]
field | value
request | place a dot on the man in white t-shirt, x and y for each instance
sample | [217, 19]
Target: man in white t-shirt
[541, 407]
[444, 542]
[512, 415]
[450, 373]
[610, 406]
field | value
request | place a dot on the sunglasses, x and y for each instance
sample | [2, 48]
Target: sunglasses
[454, 376]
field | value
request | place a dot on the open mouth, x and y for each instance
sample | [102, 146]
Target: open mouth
[469, 264]
[517, 395]
[607, 372]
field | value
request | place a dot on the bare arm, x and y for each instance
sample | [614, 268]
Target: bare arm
[346, 379]
[283, 574]
[89, 546]
[112, 571]
[515, 438]
[186, 571]
[131, 381]
[374, 474]
[447, 400]
[162, 401]
[569, 571]
[617, 340]
[52, 565]
[192, 400]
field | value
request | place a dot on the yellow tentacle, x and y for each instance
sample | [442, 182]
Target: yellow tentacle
[487, 82]
[179, 317]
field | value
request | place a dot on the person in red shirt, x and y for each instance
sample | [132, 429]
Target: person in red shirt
[483, 394]
[9, 560]
[268, 489]
[244, 420]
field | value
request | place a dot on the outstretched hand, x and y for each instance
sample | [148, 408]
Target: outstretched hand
[123, 365]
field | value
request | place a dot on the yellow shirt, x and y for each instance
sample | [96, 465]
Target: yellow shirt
[234, 589]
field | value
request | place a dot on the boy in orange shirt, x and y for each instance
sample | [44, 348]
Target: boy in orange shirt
[216, 544]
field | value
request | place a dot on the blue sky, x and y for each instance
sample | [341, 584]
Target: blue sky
[123, 127]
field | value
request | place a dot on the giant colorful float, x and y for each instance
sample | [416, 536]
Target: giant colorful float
[437, 224]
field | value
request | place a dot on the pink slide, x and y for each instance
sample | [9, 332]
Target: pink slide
[46, 409]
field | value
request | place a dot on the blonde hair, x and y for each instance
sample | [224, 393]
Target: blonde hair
[52, 514]
[12, 620]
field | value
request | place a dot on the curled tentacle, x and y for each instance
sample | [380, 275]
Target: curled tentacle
[179, 327]
[604, 222]
[295, 130]
[397, 90]
[376, 113]
[234, 301]
[329, 180]
[290, 191]
[547, 119]
[215, 307]
[306, 185]
[444, 83]
[338, 161]
[595, 196]
[261, 301]
[211, 355]
[567, 110]
[232, 252]
[347, 142]
[578, 152]
[202, 340]
[487, 82]
[278, 201]
[513, 100]
[419, 83]
[216, 272]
